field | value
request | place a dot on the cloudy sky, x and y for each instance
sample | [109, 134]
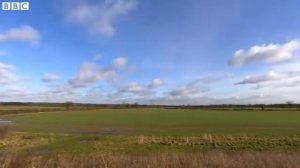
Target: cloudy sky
[151, 51]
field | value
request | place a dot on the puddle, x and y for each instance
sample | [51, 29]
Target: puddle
[5, 122]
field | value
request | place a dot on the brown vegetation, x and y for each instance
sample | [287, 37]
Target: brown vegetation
[214, 159]
[16, 141]
[3, 131]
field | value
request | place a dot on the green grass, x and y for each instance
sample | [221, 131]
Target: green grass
[147, 130]
[162, 122]
[132, 144]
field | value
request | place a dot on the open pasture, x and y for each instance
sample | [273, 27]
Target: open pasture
[161, 122]
[156, 134]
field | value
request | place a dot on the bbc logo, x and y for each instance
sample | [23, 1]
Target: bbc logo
[6, 6]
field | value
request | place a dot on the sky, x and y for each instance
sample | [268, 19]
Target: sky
[175, 52]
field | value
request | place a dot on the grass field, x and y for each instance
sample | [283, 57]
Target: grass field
[161, 122]
[151, 136]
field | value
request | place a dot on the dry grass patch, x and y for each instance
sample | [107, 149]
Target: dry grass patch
[214, 159]
[3, 132]
[17, 141]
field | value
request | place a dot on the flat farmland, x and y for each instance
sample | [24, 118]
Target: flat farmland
[131, 136]
[161, 122]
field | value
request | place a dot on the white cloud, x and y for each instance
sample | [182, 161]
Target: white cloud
[22, 33]
[142, 89]
[266, 53]
[10, 82]
[7, 75]
[279, 85]
[135, 92]
[287, 79]
[195, 92]
[184, 90]
[156, 83]
[283, 78]
[49, 77]
[133, 88]
[90, 73]
[100, 18]
[16, 91]
[187, 90]
[250, 79]
[119, 62]
[192, 88]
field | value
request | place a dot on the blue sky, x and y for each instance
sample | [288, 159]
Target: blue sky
[151, 51]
